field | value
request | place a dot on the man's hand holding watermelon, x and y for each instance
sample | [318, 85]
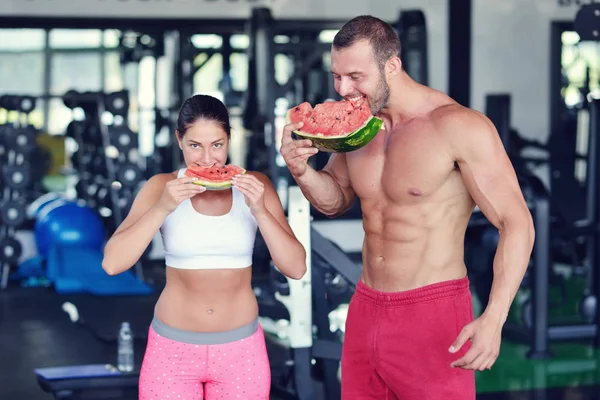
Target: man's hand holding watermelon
[296, 152]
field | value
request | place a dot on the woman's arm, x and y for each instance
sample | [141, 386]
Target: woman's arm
[154, 202]
[287, 252]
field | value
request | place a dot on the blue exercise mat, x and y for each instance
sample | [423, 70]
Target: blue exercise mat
[79, 270]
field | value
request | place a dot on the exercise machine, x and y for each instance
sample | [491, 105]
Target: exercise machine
[313, 349]
[553, 236]
[542, 333]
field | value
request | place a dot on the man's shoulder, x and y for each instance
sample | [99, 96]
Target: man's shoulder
[456, 120]
[454, 113]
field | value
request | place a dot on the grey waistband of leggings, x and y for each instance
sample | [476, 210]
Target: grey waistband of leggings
[205, 338]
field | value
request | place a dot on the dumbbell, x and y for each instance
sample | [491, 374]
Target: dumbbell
[122, 138]
[86, 100]
[129, 175]
[10, 250]
[8, 102]
[81, 160]
[103, 197]
[25, 104]
[17, 176]
[117, 103]
[98, 165]
[20, 140]
[76, 129]
[5, 131]
[13, 212]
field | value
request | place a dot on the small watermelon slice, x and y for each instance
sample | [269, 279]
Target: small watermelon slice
[214, 178]
[336, 126]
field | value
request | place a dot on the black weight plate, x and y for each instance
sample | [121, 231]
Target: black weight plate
[98, 166]
[75, 129]
[129, 175]
[81, 188]
[13, 213]
[22, 140]
[117, 103]
[6, 132]
[92, 190]
[587, 22]
[27, 103]
[123, 138]
[103, 198]
[17, 177]
[10, 250]
[9, 102]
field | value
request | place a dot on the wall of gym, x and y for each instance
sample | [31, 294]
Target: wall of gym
[510, 38]
[436, 12]
[511, 54]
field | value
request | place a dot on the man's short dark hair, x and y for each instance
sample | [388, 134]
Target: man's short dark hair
[379, 34]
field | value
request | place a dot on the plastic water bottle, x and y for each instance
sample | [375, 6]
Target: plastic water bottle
[125, 348]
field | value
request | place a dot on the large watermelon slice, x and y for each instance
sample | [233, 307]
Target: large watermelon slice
[214, 178]
[336, 126]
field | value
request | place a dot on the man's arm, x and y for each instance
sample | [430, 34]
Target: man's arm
[492, 182]
[329, 190]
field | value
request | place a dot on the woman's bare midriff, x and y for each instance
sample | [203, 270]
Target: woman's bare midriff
[207, 300]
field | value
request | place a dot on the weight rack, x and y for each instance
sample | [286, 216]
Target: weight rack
[106, 161]
[21, 179]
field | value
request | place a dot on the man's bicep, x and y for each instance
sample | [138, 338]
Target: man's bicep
[337, 167]
[488, 172]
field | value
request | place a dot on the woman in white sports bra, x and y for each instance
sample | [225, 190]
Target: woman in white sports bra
[205, 341]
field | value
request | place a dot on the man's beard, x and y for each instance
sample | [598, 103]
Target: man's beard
[380, 99]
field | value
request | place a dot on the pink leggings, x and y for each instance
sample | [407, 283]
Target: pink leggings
[184, 365]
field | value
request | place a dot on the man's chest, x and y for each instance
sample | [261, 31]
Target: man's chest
[404, 166]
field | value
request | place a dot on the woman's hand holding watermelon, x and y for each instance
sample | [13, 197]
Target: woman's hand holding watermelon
[178, 190]
[253, 190]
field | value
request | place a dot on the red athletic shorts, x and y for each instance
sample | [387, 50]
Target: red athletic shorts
[396, 344]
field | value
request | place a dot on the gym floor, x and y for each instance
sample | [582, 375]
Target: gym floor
[36, 333]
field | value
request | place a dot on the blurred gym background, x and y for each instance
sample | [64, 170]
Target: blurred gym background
[89, 93]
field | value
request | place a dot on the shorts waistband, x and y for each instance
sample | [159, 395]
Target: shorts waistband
[412, 296]
[205, 338]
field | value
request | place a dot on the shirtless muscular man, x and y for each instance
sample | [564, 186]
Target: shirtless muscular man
[410, 331]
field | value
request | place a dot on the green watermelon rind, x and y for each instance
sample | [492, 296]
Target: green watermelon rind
[214, 186]
[346, 143]
[210, 185]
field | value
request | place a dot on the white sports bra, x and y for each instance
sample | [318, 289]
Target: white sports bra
[193, 240]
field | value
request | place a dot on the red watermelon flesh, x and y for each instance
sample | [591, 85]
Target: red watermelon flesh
[214, 177]
[332, 118]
